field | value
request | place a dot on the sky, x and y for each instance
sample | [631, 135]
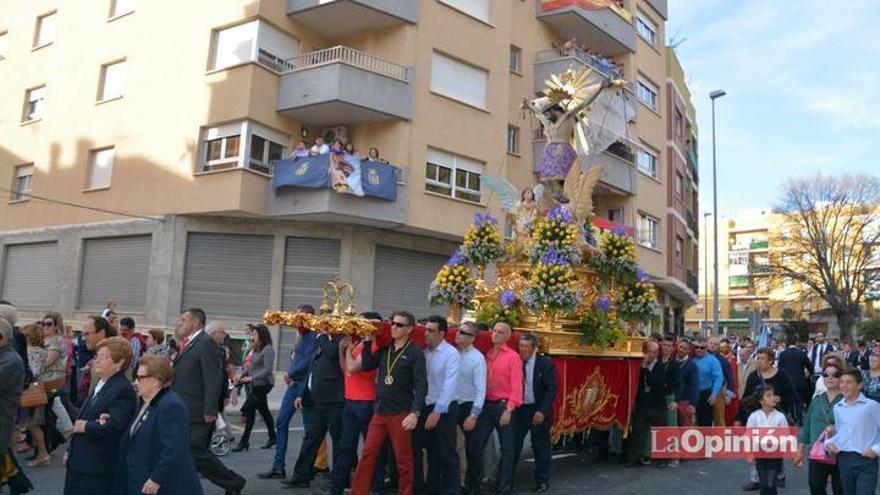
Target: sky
[803, 94]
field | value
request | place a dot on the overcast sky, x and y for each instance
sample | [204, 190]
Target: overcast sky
[803, 94]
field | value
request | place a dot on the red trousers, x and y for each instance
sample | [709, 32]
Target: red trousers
[382, 427]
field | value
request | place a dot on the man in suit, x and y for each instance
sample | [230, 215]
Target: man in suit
[650, 403]
[198, 380]
[325, 394]
[535, 415]
[796, 363]
[817, 353]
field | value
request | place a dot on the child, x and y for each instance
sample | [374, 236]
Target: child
[766, 416]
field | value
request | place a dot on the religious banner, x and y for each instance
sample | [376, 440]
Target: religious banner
[343, 172]
[379, 180]
[616, 6]
[310, 171]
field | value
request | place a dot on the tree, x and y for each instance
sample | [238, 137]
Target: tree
[826, 244]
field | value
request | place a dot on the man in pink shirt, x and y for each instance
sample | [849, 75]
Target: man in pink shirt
[504, 393]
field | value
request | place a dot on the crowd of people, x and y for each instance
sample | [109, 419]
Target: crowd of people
[337, 147]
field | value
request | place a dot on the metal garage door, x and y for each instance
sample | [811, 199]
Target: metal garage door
[227, 275]
[115, 268]
[30, 275]
[402, 280]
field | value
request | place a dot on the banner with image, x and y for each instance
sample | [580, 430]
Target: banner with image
[344, 173]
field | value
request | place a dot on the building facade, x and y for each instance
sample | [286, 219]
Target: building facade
[138, 140]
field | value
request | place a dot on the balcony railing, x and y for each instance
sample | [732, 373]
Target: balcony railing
[754, 245]
[693, 282]
[692, 161]
[691, 221]
[759, 268]
[738, 281]
[601, 65]
[740, 314]
[349, 56]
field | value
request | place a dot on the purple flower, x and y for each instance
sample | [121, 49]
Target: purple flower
[482, 219]
[619, 230]
[559, 214]
[507, 299]
[641, 276]
[603, 303]
[553, 257]
[457, 258]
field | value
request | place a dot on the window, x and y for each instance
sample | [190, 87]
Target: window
[458, 80]
[649, 231]
[222, 152]
[647, 163]
[121, 7]
[45, 32]
[648, 93]
[100, 168]
[112, 83]
[22, 182]
[34, 104]
[264, 153]
[478, 9]
[646, 28]
[616, 215]
[679, 180]
[453, 175]
[513, 139]
[679, 248]
[4, 44]
[515, 59]
[253, 41]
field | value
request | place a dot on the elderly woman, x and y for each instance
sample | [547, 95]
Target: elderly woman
[12, 371]
[156, 343]
[819, 416]
[105, 415]
[155, 449]
[37, 416]
[260, 374]
[871, 383]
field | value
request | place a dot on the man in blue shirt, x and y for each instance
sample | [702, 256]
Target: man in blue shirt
[856, 440]
[711, 379]
[295, 378]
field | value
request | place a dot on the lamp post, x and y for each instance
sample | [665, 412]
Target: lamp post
[705, 277]
[714, 95]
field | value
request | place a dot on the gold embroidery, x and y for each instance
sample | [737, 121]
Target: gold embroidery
[593, 403]
[302, 170]
[373, 177]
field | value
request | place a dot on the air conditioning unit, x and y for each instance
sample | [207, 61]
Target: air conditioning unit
[339, 132]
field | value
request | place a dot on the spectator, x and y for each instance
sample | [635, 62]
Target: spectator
[319, 148]
[156, 446]
[819, 416]
[95, 330]
[745, 365]
[12, 370]
[817, 353]
[535, 415]
[766, 415]
[650, 404]
[728, 389]
[688, 392]
[92, 454]
[711, 380]
[301, 150]
[155, 341]
[113, 318]
[373, 156]
[871, 378]
[36, 355]
[55, 367]
[796, 363]
[337, 147]
[856, 440]
[349, 149]
[136, 339]
[830, 358]
[261, 376]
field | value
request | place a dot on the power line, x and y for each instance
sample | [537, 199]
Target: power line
[76, 205]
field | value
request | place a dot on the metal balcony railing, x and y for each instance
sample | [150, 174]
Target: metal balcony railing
[349, 56]
[693, 282]
[759, 244]
[602, 65]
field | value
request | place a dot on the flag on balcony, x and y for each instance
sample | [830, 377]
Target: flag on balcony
[379, 180]
[548, 5]
[309, 171]
[345, 174]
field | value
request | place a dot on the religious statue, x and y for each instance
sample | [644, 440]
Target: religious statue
[520, 213]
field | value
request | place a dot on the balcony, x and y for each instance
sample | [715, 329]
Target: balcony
[341, 85]
[740, 314]
[618, 176]
[758, 245]
[692, 222]
[608, 30]
[738, 281]
[759, 269]
[692, 161]
[340, 18]
[693, 282]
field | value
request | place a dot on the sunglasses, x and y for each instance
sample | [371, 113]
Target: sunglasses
[466, 333]
[832, 375]
[48, 323]
[699, 347]
[398, 324]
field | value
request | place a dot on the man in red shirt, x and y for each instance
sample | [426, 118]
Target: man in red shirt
[504, 393]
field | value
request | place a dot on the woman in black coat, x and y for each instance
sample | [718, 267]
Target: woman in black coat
[765, 375]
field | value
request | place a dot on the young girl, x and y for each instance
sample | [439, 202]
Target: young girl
[766, 416]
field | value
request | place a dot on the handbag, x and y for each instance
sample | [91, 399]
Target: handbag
[53, 385]
[33, 396]
[817, 450]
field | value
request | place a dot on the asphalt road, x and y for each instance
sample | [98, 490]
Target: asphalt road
[572, 474]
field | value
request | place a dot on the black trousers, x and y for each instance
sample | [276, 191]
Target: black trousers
[704, 410]
[644, 419]
[768, 474]
[257, 402]
[443, 462]
[472, 450]
[206, 462]
[490, 419]
[818, 478]
[324, 418]
[540, 437]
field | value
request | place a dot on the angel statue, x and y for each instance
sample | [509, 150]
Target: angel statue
[520, 212]
[559, 111]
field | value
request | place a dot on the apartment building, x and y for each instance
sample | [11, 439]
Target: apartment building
[138, 142]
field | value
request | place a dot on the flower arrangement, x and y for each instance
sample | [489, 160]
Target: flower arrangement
[616, 257]
[483, 243]
[636, 301]
[558, 231]
[454, 284]
[504, 309]
[553, 284]
[599, 325]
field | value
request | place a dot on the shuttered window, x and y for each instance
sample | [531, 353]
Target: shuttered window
[30, 275]
[115, 268]
[402, 280]
[228, 275]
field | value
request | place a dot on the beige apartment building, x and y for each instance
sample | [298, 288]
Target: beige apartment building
[138, 139]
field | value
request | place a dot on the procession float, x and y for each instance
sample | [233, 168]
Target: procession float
[558, 273]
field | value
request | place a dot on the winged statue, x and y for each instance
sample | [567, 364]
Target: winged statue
[520, 207]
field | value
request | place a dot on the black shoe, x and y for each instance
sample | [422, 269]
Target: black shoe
[269, 444]
[780, 482]
[542, 488]
[275, 473]
[241, 446]
[751, 486]
[237, 490]
[295, 483]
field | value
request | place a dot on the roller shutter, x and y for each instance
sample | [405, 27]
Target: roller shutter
[227, 275]
[115, 268]
[402, 280]
[30, 275]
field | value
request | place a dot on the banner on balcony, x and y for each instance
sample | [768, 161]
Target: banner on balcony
[344, 173]
[548, 5]
[309, 171]
[379, 180]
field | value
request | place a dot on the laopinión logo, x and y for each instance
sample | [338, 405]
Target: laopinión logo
[723, 443]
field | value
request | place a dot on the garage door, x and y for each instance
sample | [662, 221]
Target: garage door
[227, 275]
[402, 281]
[115, 268]
[30, 275]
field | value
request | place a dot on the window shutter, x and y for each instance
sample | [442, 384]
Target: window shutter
[402, 281]
[308, 265]
[115, 268]
[30, 275]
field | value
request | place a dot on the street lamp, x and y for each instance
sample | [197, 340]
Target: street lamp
[714, 95]
[705, 277]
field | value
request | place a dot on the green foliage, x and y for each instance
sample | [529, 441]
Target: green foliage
[798, 328]
[491, 313]
[869, 330]
[599, 329]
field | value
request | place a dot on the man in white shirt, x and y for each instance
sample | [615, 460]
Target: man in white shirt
[818, 352]
[471, 396]
[319, 148]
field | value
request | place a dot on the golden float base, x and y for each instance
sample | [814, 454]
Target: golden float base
[561, 337]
